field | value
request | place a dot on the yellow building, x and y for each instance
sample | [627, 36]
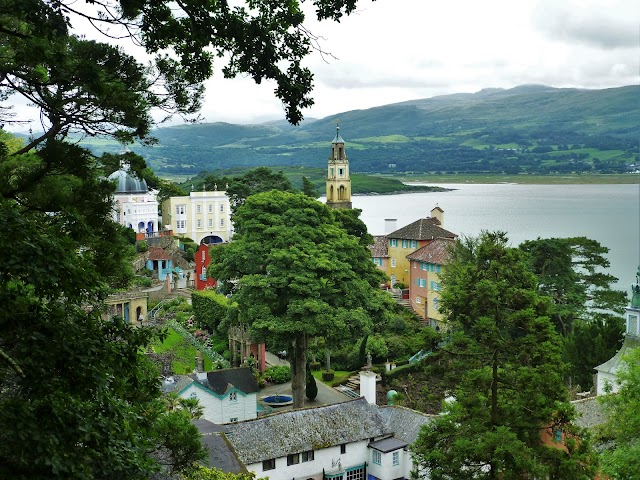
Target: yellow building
[338, 180]
[131, 306]
[204, 217]
[410, 238]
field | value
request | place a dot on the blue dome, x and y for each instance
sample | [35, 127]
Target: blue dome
[127, 183]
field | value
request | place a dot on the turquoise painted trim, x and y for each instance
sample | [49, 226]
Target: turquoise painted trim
[202, 387]
[357, 467]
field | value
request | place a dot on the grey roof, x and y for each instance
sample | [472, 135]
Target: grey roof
[380, 247]
[297, 431]
[589, 412]
[387, 445]
[220, 453]
[221, 381]
[404, 422]
[337, 138]
[423, 229]
[205, 426]
[614, 363]
[179, 383]
[436, 251]
[127, 183]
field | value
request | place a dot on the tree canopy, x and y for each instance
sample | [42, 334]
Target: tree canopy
[295, 273]
[505, 355]
[78, 398]
[585, 308]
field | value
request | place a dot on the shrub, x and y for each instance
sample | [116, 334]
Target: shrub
[311, 388]
[142, 246]
[327, 376]
[277, 374]
[209, 309]
[142, 281]
[315, 366]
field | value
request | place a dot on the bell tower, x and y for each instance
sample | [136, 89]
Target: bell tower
[338, 181]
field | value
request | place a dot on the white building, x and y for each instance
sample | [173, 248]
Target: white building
[607, 373]
[352, 440]
[134, 205]
[205, 217]
[228, 395]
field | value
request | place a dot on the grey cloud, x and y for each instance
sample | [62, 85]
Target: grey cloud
[593, 28]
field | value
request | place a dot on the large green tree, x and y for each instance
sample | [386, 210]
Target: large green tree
[506, 356]
[585, 308]
[77, 397]
[296, 273]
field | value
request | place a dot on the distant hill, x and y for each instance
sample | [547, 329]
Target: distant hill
[530, 128]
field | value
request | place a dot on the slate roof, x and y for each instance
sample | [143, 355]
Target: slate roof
[423, 229]
[387, 445]
[436, 251]
[380, 247]
[180, 382]
[589, 412]
[297, 431]
[403, 422]
[158, 253]
[221, 381]
[613, 364]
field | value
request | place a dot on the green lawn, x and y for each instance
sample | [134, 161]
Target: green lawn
[340, 376]
[184, 361]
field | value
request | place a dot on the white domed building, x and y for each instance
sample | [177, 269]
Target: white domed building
[135, 206]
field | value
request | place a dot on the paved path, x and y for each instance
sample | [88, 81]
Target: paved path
[326, 395]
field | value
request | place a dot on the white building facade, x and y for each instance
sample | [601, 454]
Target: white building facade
[205, 216]
[135, 206]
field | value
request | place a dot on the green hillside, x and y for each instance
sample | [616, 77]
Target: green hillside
[527, 129]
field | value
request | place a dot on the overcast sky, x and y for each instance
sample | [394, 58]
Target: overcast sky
[395, 50]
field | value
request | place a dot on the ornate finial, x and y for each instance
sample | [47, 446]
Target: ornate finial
[226, 186]
[215, 187]
[192, 187]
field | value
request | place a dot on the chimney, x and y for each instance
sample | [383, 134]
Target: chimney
[390, 225]
[368, 386]
[438, 213]
[200, 373]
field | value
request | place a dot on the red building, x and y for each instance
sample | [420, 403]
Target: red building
[202, 259]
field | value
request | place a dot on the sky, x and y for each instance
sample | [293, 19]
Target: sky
[397, 50]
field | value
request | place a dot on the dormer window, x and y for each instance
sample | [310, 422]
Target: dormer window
[233, 397]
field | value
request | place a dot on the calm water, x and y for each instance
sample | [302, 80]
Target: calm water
[609, 214]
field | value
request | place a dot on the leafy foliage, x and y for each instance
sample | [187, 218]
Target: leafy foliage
[295, 273]
[622, 460]
[210, 310]
[585, 309]
[506, 356]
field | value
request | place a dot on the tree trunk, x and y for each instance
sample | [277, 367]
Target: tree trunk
[298, 369]
[328, 358]
[494, 408]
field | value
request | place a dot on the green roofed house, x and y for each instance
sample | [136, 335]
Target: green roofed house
[228, 395]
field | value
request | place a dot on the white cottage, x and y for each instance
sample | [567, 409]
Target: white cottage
[607, 373]
[228, 395]
[352, 440]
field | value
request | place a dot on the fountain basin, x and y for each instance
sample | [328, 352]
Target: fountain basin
[277, 400]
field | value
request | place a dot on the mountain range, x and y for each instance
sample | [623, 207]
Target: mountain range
[526, 129]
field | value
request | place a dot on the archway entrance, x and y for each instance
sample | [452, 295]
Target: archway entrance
[211, 240]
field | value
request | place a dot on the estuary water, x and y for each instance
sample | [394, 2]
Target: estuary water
[609, 214]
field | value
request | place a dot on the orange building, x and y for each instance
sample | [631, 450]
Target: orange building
[426, 264]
